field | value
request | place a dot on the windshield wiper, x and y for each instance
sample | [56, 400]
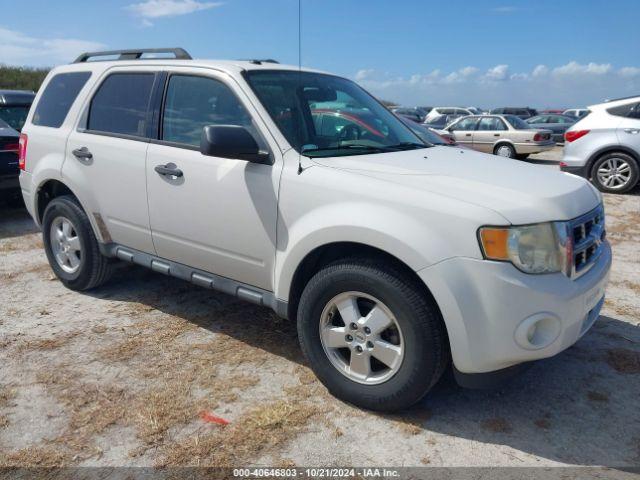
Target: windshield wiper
[409, 146]
[369, 148]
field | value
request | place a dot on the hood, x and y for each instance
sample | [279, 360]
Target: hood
[521, 192]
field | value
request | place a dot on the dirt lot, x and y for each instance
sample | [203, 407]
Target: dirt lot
[135, 372]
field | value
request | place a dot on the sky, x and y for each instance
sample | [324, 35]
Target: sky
[486, 53]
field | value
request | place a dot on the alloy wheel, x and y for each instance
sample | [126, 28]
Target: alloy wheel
[614, 173]
[65, 244]
[361, 338]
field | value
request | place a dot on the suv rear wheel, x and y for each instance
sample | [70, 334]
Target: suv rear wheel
[371, 335]
[71, 246]
[615, 172]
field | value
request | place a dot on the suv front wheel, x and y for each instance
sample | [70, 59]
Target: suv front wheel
[371, 335]
[615, 172]
[71, 246]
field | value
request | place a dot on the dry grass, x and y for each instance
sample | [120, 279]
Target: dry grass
[7, 395]
[43, 344]
[497, 425]
[39, 456]
[624, 360]
[258, 431]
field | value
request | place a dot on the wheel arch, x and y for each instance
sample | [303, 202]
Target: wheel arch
[610, 149]
[324, 254]
[504, 141]
[51, 188]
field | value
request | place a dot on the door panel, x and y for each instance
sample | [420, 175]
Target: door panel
[105, 159]
[220, 215]
[490, 130]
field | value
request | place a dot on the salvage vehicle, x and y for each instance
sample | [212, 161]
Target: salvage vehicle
[14, 107]
[395, 258]
[503, 135]
[605, 146]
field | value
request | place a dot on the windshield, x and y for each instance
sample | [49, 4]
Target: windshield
[14, 116]
[517, 122]
[324, 116]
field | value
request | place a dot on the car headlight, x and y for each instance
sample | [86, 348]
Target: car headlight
[539, 248]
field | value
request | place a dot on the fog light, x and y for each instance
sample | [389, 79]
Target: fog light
[538, 331]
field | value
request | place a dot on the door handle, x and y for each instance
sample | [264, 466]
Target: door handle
[468, 134]
[496, 134]
[82, 153]
[632, 131]
[169, 169]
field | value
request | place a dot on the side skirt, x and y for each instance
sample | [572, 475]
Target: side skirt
[199, 277]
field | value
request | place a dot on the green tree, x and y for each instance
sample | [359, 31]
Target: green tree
[22, 78]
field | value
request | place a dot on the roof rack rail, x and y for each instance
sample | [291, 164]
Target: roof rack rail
[134, 54]
[260, 61]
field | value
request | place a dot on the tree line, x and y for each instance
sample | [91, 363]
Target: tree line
[22, 78]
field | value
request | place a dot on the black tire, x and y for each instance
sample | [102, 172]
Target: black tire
[522, 156]
[633, 177]
[512, 150]
[426, 353]
[95, 269]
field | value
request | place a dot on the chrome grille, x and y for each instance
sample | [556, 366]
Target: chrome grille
[588, 233]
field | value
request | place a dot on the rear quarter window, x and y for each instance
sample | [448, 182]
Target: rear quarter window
[57, 98]
[629, 110]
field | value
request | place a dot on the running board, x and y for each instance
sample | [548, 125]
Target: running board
[197, 277]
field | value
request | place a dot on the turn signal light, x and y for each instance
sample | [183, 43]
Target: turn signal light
[494, 243]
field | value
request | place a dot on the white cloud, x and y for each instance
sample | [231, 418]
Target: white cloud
[364, 74]
[152, 9]
[540, 71]
[17, 48]
[499, 72]
[629, 72]
[575, 68]
[570, 85]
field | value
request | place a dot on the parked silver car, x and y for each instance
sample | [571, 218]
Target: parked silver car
[605, 146]
[504, 135]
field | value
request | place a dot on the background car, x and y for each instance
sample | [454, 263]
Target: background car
[441, 121]
[475, 110]
[522, 112]
[605, 146]
[559, 111]
[9, 171]
[503, 135]
[427, 134]
[14, 107]
[439, 111]
[577, 112]
[558, 124]
[412, 113]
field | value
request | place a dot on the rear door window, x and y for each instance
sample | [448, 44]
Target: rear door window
[57, 98]
[121, 104]
[491, 124]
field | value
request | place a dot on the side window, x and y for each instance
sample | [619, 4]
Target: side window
[192, 103]
[121, 104]
[491, 124]
[630, 110]
[57, 98]
[466, 124]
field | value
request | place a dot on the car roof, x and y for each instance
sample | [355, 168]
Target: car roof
[613, 103]
[228, 66]
[16, 97]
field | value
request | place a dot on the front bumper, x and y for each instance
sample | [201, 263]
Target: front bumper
[487, 305]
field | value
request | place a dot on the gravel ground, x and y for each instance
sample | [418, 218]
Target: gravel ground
[143, 371]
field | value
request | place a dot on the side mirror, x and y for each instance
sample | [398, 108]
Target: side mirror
[232, 141]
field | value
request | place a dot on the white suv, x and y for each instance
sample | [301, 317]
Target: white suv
[297, 190]
[605, 146]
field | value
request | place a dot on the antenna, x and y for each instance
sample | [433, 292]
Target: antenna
[300, 169]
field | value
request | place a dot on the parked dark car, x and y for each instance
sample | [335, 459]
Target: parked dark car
[9, 186]
[558, 124]
[522, 112]
[14, 107]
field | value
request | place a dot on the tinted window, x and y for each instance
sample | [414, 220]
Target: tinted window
[57, 98]
[466, 124]
[192, 103]
[627, 110]
[121, 103]
[541, 119]
[491, 123]
[14, 116]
